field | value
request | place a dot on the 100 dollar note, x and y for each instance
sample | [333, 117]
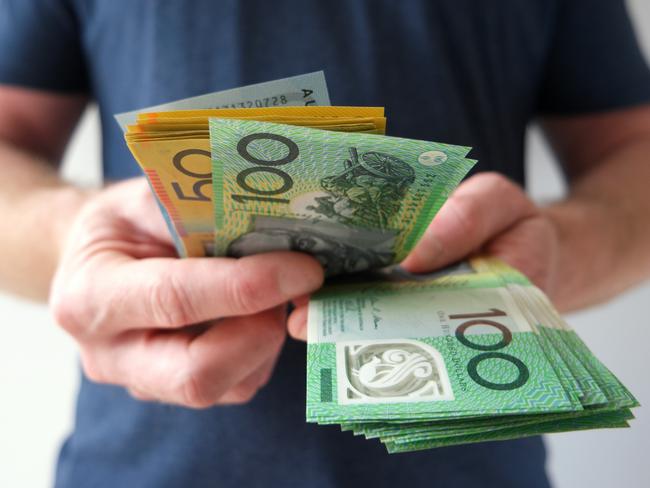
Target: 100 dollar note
[354, 201]
[456, 347]
[466, 354]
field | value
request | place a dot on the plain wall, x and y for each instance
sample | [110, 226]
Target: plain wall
[39, 376]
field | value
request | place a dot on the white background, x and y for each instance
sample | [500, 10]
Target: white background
[38, 369]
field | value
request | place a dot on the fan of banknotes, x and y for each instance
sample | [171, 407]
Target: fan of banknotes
[468, 354]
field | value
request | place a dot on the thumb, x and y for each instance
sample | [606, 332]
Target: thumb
[482, 207]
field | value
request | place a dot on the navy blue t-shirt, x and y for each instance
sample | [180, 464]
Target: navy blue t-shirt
[468, 72]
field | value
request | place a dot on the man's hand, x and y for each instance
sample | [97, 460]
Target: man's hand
[488, 214]
[194, 332]
[581, 250]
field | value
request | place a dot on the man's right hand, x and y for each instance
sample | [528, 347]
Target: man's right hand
[195, 332]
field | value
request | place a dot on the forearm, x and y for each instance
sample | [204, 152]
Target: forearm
[603, 228]
[37, 209]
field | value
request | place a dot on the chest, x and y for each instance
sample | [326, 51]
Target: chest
[461, 71]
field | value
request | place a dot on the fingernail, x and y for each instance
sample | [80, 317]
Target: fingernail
[300, 276]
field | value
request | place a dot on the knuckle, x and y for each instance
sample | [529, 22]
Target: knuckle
[91, 368]
[194, 390]
[64, 310]
[494, 179]
[466, 211]
[507, 189]
[93, 374]
[169, 305]
[69, 307]
[138, 395]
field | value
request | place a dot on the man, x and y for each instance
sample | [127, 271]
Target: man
[157, 335]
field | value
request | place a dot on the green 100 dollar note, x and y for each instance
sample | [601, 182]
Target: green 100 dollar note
[457, 347]
[354, 201]
[467, 354]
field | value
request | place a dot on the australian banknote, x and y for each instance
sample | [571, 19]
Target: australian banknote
[354, 201]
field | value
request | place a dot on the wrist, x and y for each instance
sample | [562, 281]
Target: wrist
[590, 237]
[68, 202]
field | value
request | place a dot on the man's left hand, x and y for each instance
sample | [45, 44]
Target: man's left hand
[487, 214]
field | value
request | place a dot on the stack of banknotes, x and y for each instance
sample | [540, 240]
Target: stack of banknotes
[469, 354]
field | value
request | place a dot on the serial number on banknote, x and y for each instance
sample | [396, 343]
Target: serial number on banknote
[305, 94]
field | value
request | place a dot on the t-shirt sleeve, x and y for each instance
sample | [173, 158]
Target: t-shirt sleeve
[595, 62]
[41, 46]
